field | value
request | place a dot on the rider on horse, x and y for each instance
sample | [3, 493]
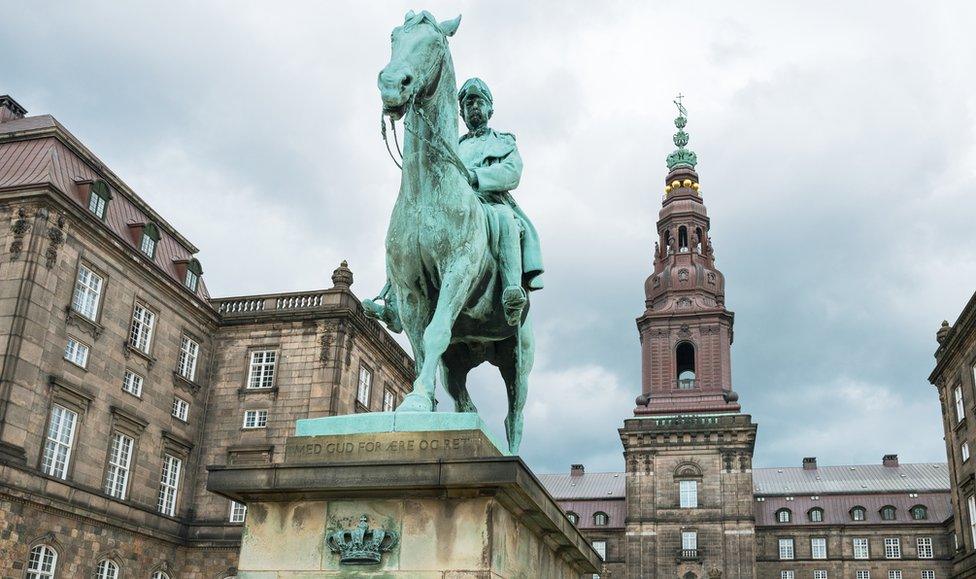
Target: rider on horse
[494, 169]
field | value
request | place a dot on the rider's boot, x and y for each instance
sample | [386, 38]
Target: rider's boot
[513, 302]
[514, 297]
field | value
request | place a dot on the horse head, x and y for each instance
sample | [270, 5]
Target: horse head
[419, 48]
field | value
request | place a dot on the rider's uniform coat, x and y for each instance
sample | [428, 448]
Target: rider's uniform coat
[495, 159]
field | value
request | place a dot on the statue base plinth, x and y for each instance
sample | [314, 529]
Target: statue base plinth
[459, 507]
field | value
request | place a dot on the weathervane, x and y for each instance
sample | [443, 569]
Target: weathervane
[681, 157]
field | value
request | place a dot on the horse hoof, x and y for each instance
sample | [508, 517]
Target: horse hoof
[415, 402]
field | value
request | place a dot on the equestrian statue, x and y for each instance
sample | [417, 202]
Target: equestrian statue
[461, 256]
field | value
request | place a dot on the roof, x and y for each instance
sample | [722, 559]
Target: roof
[616, 510]
[837, 508]
[591, 485]
[863, 478]
[39, 151]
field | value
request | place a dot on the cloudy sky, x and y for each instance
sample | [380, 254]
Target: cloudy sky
[836, 154]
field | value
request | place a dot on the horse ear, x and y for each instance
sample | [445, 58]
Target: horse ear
[409, 15]
[449, 27]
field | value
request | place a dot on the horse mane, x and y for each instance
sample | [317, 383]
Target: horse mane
[414, 18]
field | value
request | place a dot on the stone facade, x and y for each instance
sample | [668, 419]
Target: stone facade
[69, 220]
[954, 378]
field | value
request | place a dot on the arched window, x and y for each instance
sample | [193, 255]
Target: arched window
[42, 562]
[682, 239]
[573, 517]
[193, 273]
[888, 513]
[698, 239]
[98, 198]
[107, 569]
[667, 241]
[919, 512]
[150, 237]
[858, 514]
[815, 515]
[601, 519]
[784, 516]
[685, 362]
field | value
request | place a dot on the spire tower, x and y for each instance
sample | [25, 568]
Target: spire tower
[685, 331]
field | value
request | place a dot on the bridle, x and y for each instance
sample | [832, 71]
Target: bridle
[430, 80]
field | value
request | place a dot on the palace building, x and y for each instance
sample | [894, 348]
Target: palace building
[689, 504]
[122, 380]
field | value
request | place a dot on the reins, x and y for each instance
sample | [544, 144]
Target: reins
[446, 151]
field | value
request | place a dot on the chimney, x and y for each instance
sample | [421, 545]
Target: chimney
[576, 470]
[810, 463]
[890, 460]
[10, 110]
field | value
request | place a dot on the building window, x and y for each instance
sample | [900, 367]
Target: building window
[816, 515]
[895, 574]
[181, 408]
[132, 383]
[786, 549]
[88, 291]
[685, 362]
[784, 516]
[919, 512]
[193, 272]
[389, 400]
[365, 385]
[818, 548]
[682, 239]
[76, 352]
[925, 548]
[689, 544]
[60, 438]
[261, 371]
[42, 562]
[119, 457]
[820, 574]
[960, 404]
[255, 419]
[189, 352]
[601, 549]
[965, 451]
[862, 574]
[143, 321]
[573, 517]
[888, 513]
[98, 198]
[928, 574]
[688, 491]
[971, 503]
[237, 512]
[858, 514]
[169, 485]
[150, 238]
[787, 575]
[861, 549]
[601, 519]
[107, 569]
[892, 548]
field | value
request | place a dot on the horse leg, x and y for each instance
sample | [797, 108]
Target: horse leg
[455, 289]
[515, 362]
[414, 319]
[457, 361]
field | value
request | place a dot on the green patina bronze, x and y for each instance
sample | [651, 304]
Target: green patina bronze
[461, 256]
[681, 157]
[361, 545]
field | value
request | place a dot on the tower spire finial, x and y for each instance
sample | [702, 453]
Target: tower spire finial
[681, 157]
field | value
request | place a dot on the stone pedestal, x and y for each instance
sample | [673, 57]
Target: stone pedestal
[430, 496]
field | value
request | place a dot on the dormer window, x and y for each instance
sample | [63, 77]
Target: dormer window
[888, 513]
[193, 273]
[150, 237]
[573, 517]
[919, 513]
[784, 516]
[858, 514]
[601, 519]
[98, 198]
